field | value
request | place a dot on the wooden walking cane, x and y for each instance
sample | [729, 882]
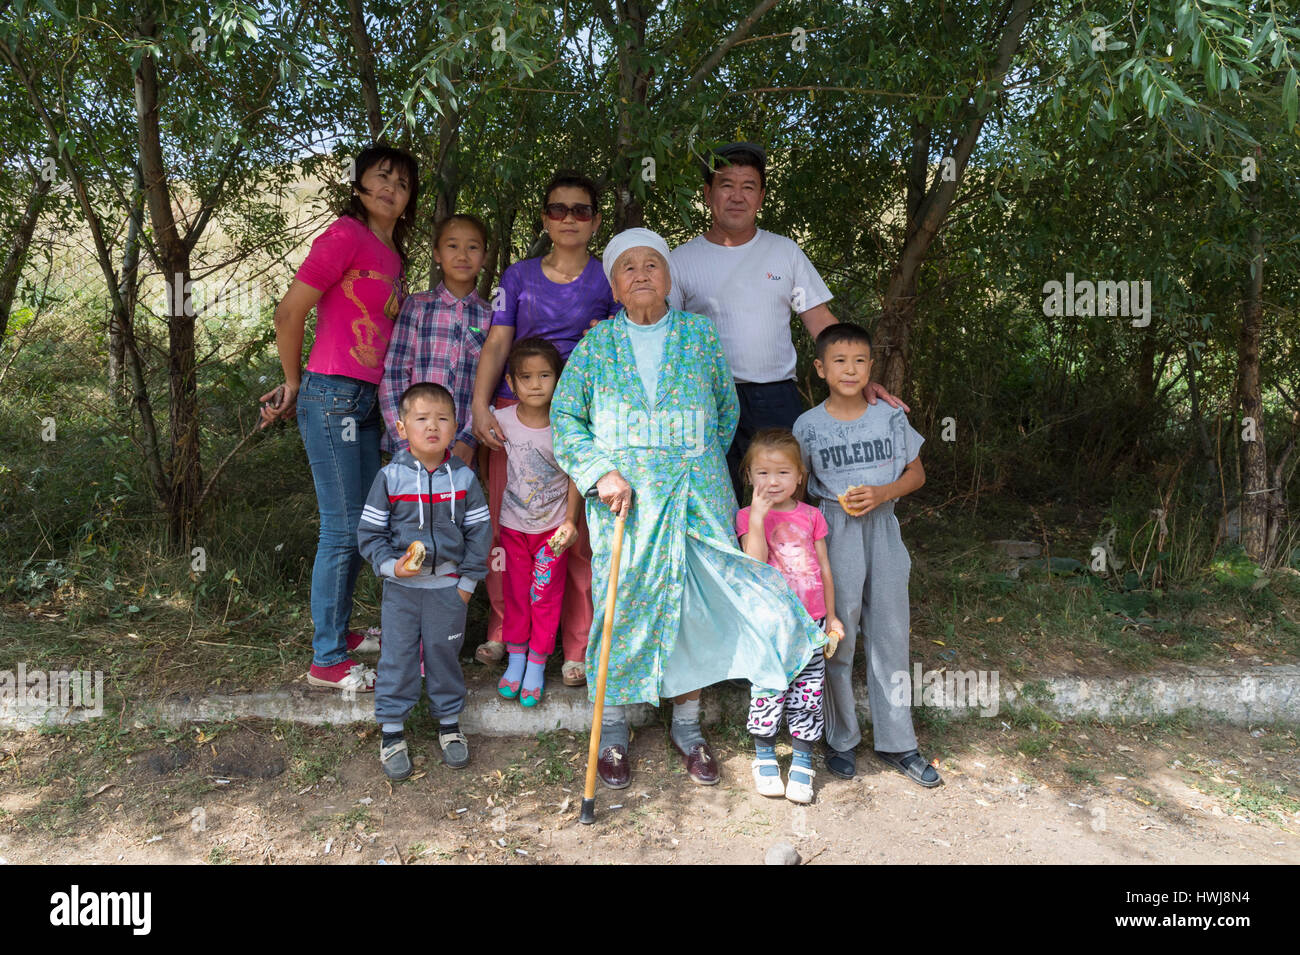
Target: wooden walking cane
[588, 815]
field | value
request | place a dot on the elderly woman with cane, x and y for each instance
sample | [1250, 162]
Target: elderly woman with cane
[642, 418]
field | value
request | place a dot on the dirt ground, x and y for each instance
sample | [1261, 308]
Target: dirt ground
[260, 792]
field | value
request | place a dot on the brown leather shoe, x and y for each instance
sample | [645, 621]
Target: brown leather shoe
[700, 764]
[613, 767]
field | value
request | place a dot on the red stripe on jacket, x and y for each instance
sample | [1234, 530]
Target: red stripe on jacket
[428, 498]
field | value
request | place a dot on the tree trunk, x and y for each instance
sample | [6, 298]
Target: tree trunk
[1146, 378]
[541, 245]
[365, 67]
[12, 270]
[1255, 487]
[927, 215]
[497, 259]
[126, 289]
[446, 173]
[633, 84]
[184, 471]
[894, 330]
[1198, 419]
[149, 442]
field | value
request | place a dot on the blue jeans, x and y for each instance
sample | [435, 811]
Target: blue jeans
[340, 424]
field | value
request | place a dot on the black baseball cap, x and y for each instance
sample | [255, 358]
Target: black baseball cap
[723, 155]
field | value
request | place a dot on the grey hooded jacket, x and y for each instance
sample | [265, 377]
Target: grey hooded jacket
[444, 509]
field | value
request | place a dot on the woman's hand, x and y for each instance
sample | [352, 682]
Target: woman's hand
[487, 429]
[279, 403]
[615, 492]
[465, 595]
[401, 570]
[290, 327]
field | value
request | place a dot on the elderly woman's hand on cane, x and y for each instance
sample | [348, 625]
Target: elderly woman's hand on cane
[614, 492]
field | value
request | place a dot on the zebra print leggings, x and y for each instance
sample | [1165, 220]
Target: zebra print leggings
[801, 704]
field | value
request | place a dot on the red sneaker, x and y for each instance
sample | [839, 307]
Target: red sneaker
[345, 675]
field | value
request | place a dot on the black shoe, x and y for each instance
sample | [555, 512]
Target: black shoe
[842, 764]
[914, 767]
[395, 758]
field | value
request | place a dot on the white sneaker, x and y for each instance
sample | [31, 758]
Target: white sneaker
[768, 785]
[797, 789]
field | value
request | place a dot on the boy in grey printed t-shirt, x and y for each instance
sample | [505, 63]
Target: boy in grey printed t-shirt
[860, 459]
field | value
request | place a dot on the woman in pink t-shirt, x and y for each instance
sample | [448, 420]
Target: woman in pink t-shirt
[354, 276]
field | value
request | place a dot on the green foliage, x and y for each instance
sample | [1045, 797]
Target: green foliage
[1149, 157]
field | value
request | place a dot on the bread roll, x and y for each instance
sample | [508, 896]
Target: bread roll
[414, 556]
[849, 509]
[559, 541]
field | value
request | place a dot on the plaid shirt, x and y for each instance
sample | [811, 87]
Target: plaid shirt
[437, 338]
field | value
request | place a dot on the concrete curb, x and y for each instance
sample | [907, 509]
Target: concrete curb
[1241, 696]
[1247, 695]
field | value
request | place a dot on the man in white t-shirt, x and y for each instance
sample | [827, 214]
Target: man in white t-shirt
[749, 281]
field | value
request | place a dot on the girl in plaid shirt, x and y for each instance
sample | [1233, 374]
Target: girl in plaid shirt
[439, 334]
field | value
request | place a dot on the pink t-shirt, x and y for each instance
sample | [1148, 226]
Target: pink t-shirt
[537, 491]
[361, 281]
[790, 549]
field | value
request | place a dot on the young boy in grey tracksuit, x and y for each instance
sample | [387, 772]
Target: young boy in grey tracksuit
[424, 494]
[860, 458]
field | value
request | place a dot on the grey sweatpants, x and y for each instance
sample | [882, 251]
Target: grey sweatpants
[870, 567]
[411, 616]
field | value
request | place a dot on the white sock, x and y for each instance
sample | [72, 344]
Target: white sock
[685, 729]
[688, 712]
[613, 728]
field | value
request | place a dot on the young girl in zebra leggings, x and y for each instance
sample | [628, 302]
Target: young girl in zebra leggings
[789, 535]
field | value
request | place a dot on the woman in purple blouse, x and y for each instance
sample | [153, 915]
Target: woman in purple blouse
[557, 296]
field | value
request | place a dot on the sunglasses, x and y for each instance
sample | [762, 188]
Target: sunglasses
[558, 211]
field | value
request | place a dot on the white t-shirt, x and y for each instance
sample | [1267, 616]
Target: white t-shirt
[749, 291]
[537, 491]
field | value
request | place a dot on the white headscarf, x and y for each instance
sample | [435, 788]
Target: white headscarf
[631, 239]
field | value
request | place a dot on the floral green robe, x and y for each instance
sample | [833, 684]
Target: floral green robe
[692, 609]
